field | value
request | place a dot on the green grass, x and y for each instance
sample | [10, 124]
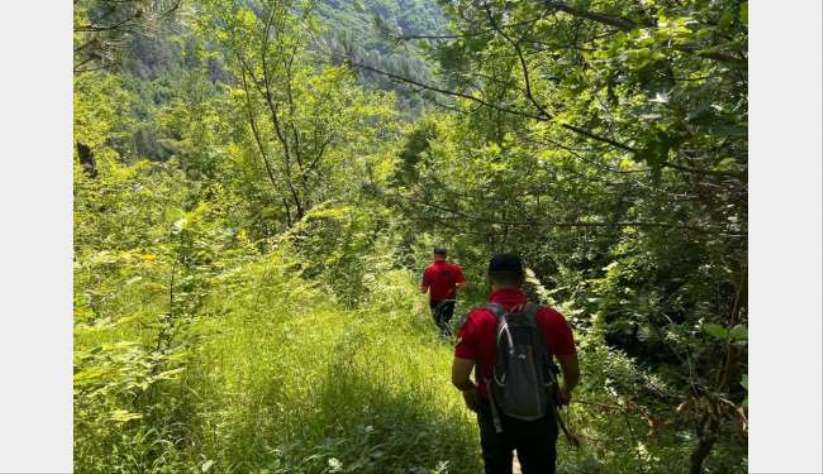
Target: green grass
[300, 385]
[286, 380]
[279, 377]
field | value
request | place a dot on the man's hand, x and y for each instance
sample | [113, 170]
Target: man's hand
[564, 395]
[471, 398]
[461, 369]
[571, 375]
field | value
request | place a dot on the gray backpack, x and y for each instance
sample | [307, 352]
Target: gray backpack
[524, 375]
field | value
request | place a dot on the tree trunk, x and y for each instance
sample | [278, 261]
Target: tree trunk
[706, 436]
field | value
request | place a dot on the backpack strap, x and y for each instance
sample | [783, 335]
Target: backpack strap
[496, 309]
[531, 311]
[499, 313]
[498, 425]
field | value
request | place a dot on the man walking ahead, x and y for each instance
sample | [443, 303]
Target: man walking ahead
[442, 279]
[511, 343]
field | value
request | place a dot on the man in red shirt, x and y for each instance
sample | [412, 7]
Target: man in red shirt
[442, 279]
[476, 346]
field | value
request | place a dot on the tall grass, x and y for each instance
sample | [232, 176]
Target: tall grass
[288, 381]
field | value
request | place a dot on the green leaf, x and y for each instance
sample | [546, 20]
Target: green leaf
[739, 333]
[715, 330]
[122, 416]
[206, 466]
[726, 164]
[744, 13]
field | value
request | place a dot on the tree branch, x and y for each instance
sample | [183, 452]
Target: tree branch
[532, 223]
[524, 67]
[603, 18]
[485, 103]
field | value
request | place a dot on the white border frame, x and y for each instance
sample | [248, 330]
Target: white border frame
[36, 238]
[785, 222]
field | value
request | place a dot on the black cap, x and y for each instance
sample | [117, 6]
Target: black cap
[506, 263]
[440, 250]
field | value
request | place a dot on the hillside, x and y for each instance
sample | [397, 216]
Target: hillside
[368, 28]
[155, 63]
[252, 215]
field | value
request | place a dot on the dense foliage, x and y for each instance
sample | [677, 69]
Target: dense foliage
[259, 183]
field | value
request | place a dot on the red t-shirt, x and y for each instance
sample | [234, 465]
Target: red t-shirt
[441, 277]
[476, 337]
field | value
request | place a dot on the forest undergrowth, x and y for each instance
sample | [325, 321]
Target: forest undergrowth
[276, 373]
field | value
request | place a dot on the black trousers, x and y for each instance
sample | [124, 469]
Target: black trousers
[535, 442]
[442, 312]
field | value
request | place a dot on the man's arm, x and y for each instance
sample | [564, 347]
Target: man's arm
[461, 370]
[571, 375]
[559, 335]
[424, 283]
